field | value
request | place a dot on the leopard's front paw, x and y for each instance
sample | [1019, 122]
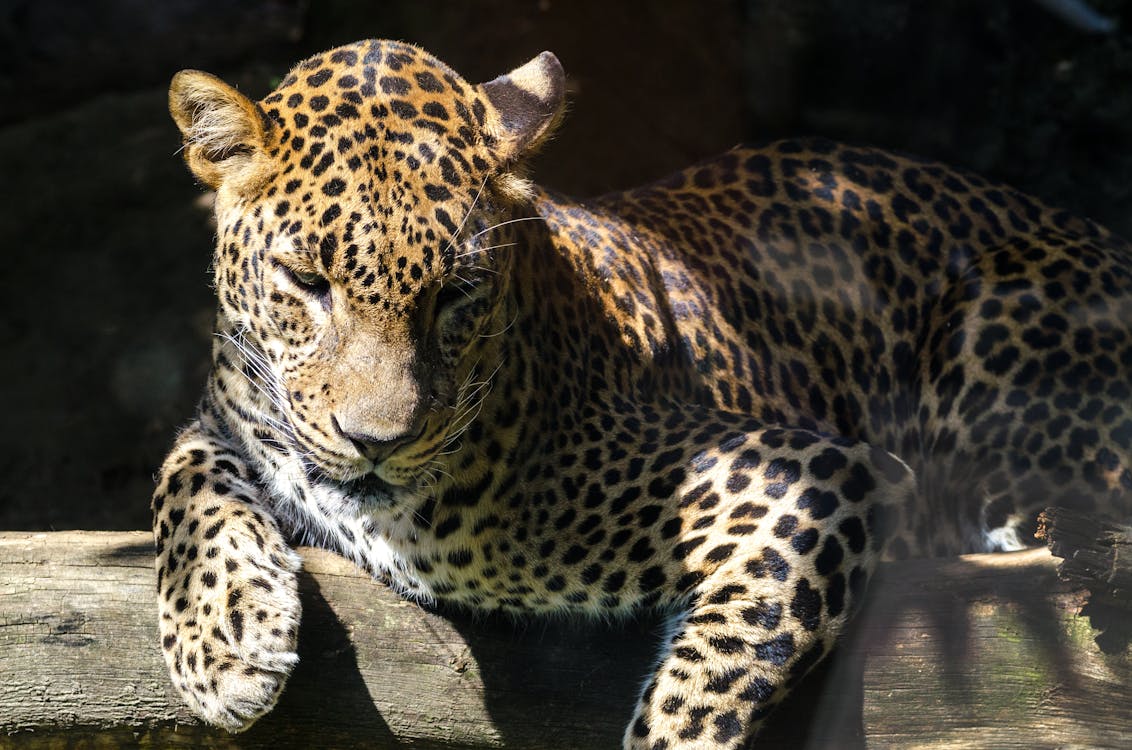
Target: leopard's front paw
[229, 628]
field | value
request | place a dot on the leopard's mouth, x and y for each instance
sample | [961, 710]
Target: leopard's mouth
[370, 491]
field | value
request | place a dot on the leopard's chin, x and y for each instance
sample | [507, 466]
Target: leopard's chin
[365, 493]
[371, 492]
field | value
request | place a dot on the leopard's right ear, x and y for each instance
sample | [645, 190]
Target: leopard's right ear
[527, 103]
[223, 131]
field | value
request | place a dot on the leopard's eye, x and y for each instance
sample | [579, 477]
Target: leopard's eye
[450, 293]
[310, 282]
[308, 279]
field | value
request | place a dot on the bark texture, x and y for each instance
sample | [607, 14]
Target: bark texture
[980, 651]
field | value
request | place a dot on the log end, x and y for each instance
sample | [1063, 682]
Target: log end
[1096, 555]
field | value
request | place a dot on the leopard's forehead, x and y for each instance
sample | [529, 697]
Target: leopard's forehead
[356, 80]
[379, 153]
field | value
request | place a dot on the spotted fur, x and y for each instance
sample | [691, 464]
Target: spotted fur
[690, 396]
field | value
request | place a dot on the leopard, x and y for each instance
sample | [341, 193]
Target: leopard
[722, 397]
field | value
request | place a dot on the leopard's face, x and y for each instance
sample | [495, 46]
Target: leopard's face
[359, 260]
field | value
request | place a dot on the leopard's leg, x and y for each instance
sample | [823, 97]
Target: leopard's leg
[790, 537]
[226, 581]
[1029, 394]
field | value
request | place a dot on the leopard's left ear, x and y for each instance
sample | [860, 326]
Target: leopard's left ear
[525, 106]
[224, 132]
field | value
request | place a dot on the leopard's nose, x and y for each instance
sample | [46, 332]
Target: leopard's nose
[376, 448]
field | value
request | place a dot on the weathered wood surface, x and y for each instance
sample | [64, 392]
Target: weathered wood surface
[1096, 556]
[977, 652]
[1094, 551]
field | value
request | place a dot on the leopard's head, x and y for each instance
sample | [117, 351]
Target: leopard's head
[356, 263]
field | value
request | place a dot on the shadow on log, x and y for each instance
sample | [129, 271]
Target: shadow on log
[1096, 555]
[973, 652]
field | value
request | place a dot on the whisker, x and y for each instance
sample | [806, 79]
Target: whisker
[505, 329]
[493, 227]
[437, 470]
[481, 269]
[255, 361]
[467, 214]
[466, 412]
[477, 250]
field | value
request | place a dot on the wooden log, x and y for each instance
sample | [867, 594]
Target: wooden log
[1096, 555]
[979, 651]
[1093, 550]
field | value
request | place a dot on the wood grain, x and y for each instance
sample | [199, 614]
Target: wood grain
[973, 652]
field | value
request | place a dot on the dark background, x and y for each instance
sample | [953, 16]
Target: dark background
[106, 242]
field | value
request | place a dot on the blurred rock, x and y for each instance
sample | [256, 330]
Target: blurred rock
[55, 51]
[106, 304]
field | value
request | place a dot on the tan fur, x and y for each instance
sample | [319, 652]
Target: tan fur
[223, 131]
[541, 77]
[685, 396]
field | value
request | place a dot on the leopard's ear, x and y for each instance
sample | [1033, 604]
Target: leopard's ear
[525, 105]
[223, 130]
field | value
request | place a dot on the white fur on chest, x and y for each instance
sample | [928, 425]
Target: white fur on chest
[325, 516]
